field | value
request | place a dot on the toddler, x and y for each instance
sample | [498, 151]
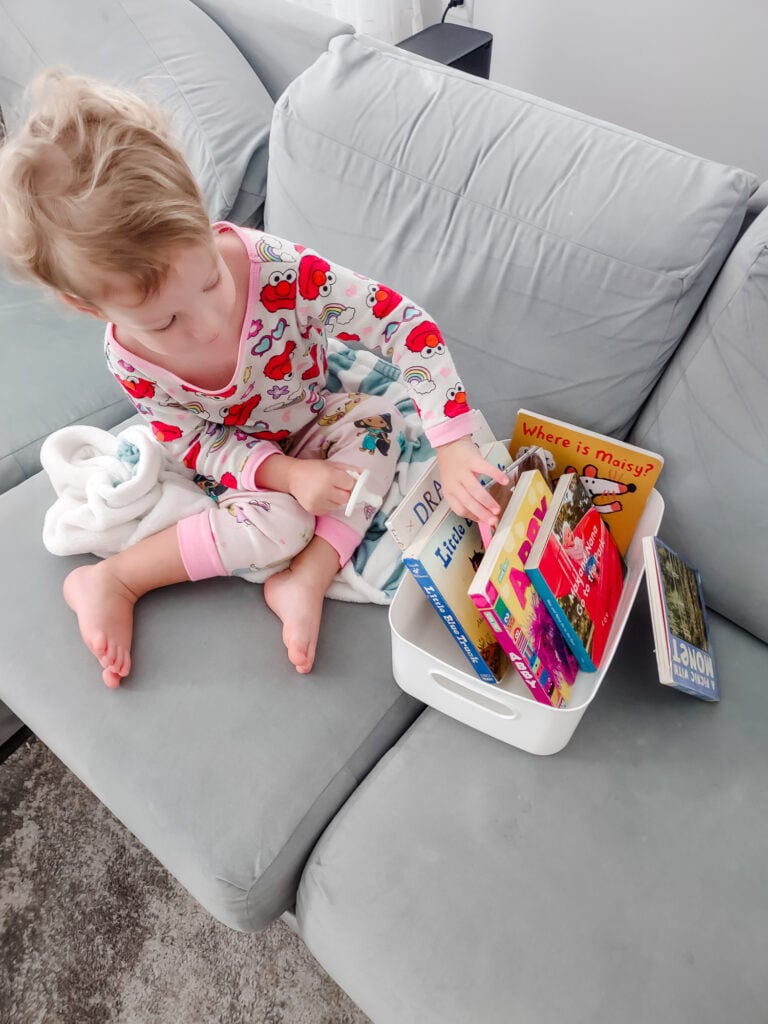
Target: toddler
[218, 334]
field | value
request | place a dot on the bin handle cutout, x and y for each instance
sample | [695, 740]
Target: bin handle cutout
[495, 707]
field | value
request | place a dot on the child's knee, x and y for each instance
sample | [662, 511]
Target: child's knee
[260, 530]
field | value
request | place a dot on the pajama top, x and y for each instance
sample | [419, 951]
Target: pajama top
[296, 301]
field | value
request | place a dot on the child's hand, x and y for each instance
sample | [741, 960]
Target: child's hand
[320, 486]
[460, 465]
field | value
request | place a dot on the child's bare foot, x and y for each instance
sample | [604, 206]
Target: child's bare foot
[296, 596]
[104, 608]
[300, 607]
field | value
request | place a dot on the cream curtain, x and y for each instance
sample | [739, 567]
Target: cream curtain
[391, 20]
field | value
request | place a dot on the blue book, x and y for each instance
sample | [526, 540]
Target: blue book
[443, 558]
[680, 625]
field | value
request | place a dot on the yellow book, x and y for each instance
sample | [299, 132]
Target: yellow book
[618, 476]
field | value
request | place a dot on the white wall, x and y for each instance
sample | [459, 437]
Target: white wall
[688, 72]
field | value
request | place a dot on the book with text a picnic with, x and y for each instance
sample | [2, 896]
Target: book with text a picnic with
[576, 567]
[503, 592]
[680, 625]
[442, 558]
[618, 476]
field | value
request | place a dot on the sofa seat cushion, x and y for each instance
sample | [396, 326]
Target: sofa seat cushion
[215, 753]
[51, 375]
[619, 880]
[170, 52]
[709, 416]
[563, 257]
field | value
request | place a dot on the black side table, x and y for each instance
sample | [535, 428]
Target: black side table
[458, 46]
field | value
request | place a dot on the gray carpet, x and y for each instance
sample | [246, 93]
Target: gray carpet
[94, 930]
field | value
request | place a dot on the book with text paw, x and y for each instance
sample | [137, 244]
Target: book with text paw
[502, 590]
[618, 476]
[442, 558]
[680, 626]
[576, 567]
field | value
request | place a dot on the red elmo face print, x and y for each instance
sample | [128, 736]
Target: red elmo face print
[165, 431]
[280, 290]
[382, 300]
[456, 403]
[137, 387]
[426, 339]
[279, 366]
[315, 277]
[237, 415]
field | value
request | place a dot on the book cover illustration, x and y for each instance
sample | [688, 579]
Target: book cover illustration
[502, 589]
[680, 625]
[618, 476]
[577, 570]
[442, 559]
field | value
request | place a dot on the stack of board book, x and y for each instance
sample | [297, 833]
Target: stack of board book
[490, 587]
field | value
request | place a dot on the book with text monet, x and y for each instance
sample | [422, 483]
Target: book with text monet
[505, 595]
[618, 476]
[680, 626]
[442, 558]
[577, 570]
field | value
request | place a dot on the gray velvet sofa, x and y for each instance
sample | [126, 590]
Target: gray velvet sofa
[576, 268]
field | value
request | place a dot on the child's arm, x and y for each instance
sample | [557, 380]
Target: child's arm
[225, 453]
[356, 308]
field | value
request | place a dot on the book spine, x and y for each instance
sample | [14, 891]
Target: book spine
[443, 609]
[511, 649]
[562, 621]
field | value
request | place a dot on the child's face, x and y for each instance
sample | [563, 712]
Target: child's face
[191, 311]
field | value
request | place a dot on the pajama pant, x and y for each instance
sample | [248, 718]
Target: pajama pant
[250, 530]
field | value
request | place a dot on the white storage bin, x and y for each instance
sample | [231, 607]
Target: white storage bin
[428, 664]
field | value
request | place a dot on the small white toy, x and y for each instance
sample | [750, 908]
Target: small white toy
[359, 494]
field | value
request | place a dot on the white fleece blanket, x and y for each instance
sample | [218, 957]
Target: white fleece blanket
[113, 490]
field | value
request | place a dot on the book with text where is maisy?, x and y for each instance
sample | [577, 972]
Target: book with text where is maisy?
[617, 476]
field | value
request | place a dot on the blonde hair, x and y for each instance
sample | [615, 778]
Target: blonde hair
[91, 182]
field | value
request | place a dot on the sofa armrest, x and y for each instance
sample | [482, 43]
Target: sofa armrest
[278, 39]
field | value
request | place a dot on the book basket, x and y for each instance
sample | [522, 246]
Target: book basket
[428, 664]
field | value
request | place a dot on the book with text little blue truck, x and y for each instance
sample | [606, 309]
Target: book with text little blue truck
[618, 476]
[502, 590]
[680, 625]
[442, 558]
[577, 570]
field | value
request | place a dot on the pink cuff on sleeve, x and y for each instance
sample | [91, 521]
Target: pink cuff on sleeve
[450, 430]
[262, 453]
[339, 535]
[198, 548]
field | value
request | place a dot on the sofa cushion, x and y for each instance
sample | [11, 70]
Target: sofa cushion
[215, 753]
[709, 417]
[619, 880]
[170, 52]
[563, 257]
[52, 374]
[278, 41]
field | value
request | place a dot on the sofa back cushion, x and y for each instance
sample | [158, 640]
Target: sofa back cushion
[562, 257]
[170, 52]
[52, 373]
[709, 417]
[278, 40]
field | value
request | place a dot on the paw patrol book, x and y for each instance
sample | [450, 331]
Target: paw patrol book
[680, 624]
[618, 476]
[502, 591]
[577, 570]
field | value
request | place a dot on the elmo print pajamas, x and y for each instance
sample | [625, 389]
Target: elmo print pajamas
[277, 402]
